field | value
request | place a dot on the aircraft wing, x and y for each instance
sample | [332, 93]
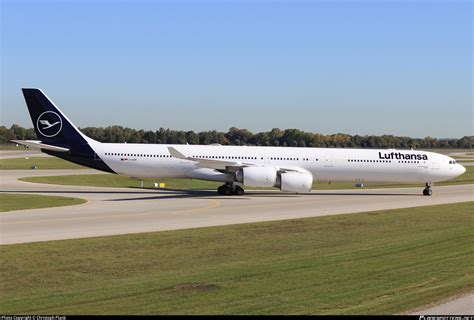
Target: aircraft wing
[36, 144]
[224, 165]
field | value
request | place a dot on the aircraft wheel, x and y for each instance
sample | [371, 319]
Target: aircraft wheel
[221, 190]
[227, 190]
[427, 192]
[238, 191]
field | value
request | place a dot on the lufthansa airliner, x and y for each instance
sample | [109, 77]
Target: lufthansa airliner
[289, 169]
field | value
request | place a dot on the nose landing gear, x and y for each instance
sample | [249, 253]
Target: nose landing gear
[230, 189]
[427, 191]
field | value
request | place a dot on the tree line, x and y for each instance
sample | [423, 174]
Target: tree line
[236, 136]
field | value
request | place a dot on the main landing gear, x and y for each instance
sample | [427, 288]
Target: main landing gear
[230, 189]
[427, 191]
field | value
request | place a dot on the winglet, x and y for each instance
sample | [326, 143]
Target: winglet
[176, 154]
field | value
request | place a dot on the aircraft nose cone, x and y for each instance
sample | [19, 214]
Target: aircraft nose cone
[462, 169]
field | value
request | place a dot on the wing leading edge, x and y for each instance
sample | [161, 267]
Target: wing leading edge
[224, 165]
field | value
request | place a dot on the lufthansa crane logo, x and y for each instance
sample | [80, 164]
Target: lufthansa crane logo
[49, 124]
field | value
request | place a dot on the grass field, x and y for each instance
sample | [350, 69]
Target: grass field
[448, 151]
[381, 262]
[12, 147]
[11, 201]
[39, 162]
[111, 180]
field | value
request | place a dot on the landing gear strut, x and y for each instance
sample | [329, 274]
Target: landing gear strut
[230, 189]
[427, 191]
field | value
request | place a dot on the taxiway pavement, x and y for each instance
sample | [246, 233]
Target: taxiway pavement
[459, 306]
[113, 211]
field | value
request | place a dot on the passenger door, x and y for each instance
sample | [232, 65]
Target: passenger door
[328, 161]
[434, 164]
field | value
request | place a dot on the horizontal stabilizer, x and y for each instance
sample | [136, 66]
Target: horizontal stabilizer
[36, 144]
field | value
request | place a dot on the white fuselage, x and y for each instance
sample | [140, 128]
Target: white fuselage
[325, 164]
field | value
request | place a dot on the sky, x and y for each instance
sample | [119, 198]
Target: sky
[357, 67]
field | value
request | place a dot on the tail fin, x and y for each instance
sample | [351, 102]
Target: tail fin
[58, 136]
[51, 125]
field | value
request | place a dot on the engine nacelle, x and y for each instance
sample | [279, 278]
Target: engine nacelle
[296, 182]
[257, 176]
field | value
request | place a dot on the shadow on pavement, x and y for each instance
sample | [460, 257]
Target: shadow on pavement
[154, 194]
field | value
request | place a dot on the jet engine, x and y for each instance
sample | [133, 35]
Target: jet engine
[296, 182]
[269, 177]
[257, 176]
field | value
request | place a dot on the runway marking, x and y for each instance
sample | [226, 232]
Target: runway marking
[213, 205]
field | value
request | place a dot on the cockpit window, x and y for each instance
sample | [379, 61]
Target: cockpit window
[452, 162]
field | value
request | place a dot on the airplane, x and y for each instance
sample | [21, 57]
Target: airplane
[289, 169]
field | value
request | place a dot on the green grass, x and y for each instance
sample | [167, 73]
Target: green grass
[11, 201]
[112, 180]
[464, 161]
[446, 151]
[13, 147]
[39, 162]
[381, 262]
